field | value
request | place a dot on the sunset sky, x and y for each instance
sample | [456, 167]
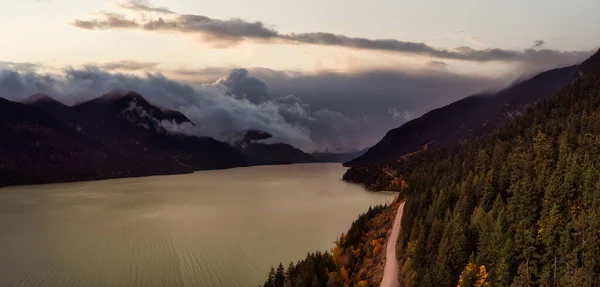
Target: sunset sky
[412, 55]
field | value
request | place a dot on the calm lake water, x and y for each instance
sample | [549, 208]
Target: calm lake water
[210, 228]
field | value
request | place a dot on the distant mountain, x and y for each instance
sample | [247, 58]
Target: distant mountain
[117, 135]
[45, 102]
[270, 153]
[127, 123]
[338, 157]
[466, 119]
[36, 147]
[130, 106]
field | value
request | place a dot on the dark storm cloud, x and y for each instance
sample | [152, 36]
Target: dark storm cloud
[243, 86]
[232, 31]
[16, 85]
[128, 65]
[349, 111]
[360, 103]
[323, 111]
[144, 6]
[372, 93]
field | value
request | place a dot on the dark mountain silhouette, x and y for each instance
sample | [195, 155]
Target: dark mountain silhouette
[270, 153]
[128, 124]
[36, 147]
[277, 153]
[129, 106]
[592, 64]
[337, 157]
[52, 107]
[466, 119]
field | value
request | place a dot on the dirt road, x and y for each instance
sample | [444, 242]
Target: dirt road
[390, 272]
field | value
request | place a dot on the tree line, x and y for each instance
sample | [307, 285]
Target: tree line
[353, 261]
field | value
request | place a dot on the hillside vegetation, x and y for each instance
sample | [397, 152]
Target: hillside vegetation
[520, 207]
[356, 260]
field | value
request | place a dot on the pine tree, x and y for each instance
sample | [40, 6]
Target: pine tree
[279, 278]
[271, 279]
[290, 276]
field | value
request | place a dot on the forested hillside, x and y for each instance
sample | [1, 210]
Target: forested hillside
[356, 260]
[520, 207]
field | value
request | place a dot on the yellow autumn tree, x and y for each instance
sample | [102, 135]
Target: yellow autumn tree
[482, 276]
[398, 184]
[377, 249]
[343, 274]
[473, 276]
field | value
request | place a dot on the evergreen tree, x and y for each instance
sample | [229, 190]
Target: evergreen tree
[279, 278]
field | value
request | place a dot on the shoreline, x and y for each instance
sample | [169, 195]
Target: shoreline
[162, 174]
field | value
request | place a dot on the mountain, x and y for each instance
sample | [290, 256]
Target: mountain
[48, 104]
[116, 135]
[36, 147]
[466, 119]
[518, 207]
[270, 153]
[115, 108]
[337, 157]
[591, 65]
[128, 124]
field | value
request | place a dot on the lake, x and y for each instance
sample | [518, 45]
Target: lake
[210, 228]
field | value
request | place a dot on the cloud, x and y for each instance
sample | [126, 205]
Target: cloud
[243, 86]
[406, 116]
[365, 97]
[437, 64]
[127, 65]
[473, 40]
[538, 43]
[21, 67]
[233, 31]
[16, 85]
[373, 92]
[144, 6]
[109, 21]
[320, 111]
[217, 108]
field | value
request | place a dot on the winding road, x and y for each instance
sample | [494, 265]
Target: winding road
[390, 271]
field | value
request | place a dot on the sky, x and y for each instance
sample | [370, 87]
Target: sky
[322, 75]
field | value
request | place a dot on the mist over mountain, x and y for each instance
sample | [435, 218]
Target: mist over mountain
[325, 111]
[466, 119]
[119, 134]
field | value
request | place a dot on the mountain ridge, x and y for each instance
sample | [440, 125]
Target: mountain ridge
[467, 118]
[119, 134]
